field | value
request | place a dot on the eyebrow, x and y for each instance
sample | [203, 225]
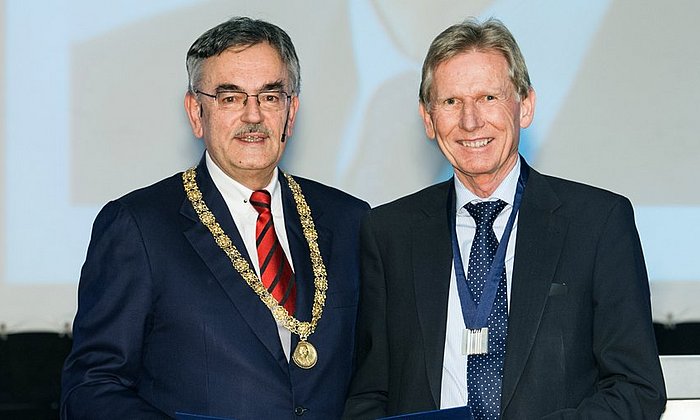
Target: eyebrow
[273, 86]
[228, 87]
[501, 92]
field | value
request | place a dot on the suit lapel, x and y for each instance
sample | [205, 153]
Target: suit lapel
[432, 259]
[538, 245]
[248, 304]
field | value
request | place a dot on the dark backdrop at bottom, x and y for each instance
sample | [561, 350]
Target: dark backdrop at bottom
[30, 374]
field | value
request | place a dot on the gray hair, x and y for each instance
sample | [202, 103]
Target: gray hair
[472, 35]
[242, 32]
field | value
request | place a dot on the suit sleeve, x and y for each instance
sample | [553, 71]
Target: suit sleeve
[114, 301]
[630, 381]
[368, 393]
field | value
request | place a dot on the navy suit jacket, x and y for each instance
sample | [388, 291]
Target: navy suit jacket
[580, 341]
[166, 324]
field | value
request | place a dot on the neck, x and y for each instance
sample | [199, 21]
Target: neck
[481, 188]
[254, 181]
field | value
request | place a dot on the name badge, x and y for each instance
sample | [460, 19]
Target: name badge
[475, 341]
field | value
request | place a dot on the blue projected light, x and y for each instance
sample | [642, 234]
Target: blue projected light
[46, 230]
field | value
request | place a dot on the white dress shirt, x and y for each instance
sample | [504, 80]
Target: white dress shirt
[237, 197]
[453, 390]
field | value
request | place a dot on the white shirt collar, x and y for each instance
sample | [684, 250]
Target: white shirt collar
[505, 191]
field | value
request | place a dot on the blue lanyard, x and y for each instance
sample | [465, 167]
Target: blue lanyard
[476, 316]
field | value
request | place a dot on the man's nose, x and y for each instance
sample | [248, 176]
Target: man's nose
[471, 118]
[251, 110]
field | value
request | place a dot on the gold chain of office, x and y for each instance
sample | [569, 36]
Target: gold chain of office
[302, 328]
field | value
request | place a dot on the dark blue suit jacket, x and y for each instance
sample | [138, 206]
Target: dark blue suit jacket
[166, 324]
[580, 341]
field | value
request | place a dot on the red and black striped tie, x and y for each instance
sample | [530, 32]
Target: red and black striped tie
[275, 272]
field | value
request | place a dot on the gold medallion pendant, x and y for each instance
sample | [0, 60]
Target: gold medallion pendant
[305, 355]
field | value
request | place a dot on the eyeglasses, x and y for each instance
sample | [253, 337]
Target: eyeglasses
[234, 100]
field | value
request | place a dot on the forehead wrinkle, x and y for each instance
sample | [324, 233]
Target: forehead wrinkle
[455, 87]
[489, 71]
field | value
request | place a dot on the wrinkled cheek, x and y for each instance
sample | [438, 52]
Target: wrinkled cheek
[454, 154]
[446, 125]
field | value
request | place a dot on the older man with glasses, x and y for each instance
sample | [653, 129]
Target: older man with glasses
[230, 289]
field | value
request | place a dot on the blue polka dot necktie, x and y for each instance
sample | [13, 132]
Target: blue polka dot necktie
[485, 371]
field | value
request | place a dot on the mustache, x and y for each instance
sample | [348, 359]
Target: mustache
[253, 128]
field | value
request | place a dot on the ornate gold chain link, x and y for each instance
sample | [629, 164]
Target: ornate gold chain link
[302, 328]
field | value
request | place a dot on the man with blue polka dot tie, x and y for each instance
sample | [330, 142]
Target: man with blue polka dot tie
[485, 370]
[503, 291]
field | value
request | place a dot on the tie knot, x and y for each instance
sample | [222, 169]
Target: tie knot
[485, 212]
[260, 200]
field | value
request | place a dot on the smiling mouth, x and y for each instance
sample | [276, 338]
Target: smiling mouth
[252, 138]
[475, 144]
[252, 133]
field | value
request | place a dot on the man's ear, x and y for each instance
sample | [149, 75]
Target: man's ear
[527, 109]
[293, 108]
[427, 121]
[194, 112]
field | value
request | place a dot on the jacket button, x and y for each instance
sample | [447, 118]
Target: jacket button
[299, 411]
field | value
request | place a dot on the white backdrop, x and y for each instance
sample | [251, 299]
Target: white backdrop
[91, 108]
